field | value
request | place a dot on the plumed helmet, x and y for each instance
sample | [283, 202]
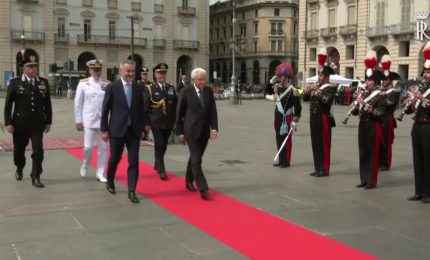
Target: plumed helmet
[284, 69]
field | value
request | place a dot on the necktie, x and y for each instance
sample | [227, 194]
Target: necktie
[201, 98]
[128, 93]
[32, 82]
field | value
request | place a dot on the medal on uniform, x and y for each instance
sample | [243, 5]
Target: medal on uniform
[42, 88]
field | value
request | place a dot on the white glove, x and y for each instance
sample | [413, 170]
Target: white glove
[294, 125]
[274, 79]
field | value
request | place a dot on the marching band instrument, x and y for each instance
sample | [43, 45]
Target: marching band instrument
[359, 91]
[409, 103]
[413, 99]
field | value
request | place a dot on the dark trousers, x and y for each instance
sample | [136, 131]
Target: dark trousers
[132, 141]
[321, 142]
[20, 141]
[421, 155]
[385, 154]
[369, 140]
[161, 139]
[194, 168]
[285, 154]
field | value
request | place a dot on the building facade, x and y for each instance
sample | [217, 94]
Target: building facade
[348, 29]
[71, 32]
[266, 34]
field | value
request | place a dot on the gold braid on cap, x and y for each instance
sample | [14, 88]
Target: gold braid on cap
[156, 104]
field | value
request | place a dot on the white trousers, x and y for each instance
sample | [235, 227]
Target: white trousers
[93, 138]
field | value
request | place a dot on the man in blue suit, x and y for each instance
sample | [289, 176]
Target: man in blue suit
[122, 123]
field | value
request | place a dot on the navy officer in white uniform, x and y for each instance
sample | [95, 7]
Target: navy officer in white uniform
[88, 107]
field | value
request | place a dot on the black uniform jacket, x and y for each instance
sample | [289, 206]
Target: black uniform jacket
[32, 104]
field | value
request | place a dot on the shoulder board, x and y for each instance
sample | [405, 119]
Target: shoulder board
[105, 81]
[84, 80]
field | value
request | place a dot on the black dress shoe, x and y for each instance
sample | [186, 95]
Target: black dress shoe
[205, 195]
[133, 197]
[190, 186]
[277, 164]
[415, 197]
[362, 185]
[321, 174]
[111, 187]
[18, 175]
[313, 173]
[369, 187]
[284, 165]
[163, 176]
[36, 183]
[425, 199]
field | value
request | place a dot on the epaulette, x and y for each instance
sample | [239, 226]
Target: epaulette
[106, 81]
[84, 80]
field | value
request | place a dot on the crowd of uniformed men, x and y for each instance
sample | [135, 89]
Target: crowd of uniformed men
[375, 103]
[122, 112]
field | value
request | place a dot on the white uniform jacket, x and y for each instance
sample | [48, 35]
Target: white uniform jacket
[88, 102]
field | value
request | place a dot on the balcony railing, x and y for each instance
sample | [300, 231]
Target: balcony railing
[181, 44]
[328, 32]
[159, 43]
[62, 38]
[405, 28]
[279, 32]
[22, 35]
[272, 53]
[105, 40]
[349, 29]
[187, 11]
[158, 9]
[312, 1]
[377, 31]
[312, 34]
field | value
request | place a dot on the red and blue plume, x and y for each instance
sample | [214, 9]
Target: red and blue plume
[284, 69]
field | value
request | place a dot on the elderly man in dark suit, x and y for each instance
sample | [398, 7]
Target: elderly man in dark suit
[122, 123]
[197, 121]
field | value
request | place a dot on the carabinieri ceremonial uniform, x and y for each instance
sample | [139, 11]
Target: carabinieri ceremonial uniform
[370, 107]
[321, 120]
[31, 116]
[162, 113]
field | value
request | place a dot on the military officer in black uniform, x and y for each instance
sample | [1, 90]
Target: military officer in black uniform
[392, 96]
[162, 113]
[370, 108]
[287, 111]
[144, 74]
[420, 105]
[30, 118]
[321, 98]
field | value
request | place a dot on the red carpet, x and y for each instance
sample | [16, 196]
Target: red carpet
[53, 143]
[250, 231]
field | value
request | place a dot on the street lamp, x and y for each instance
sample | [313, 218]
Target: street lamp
[233, 51]
[20, 70]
